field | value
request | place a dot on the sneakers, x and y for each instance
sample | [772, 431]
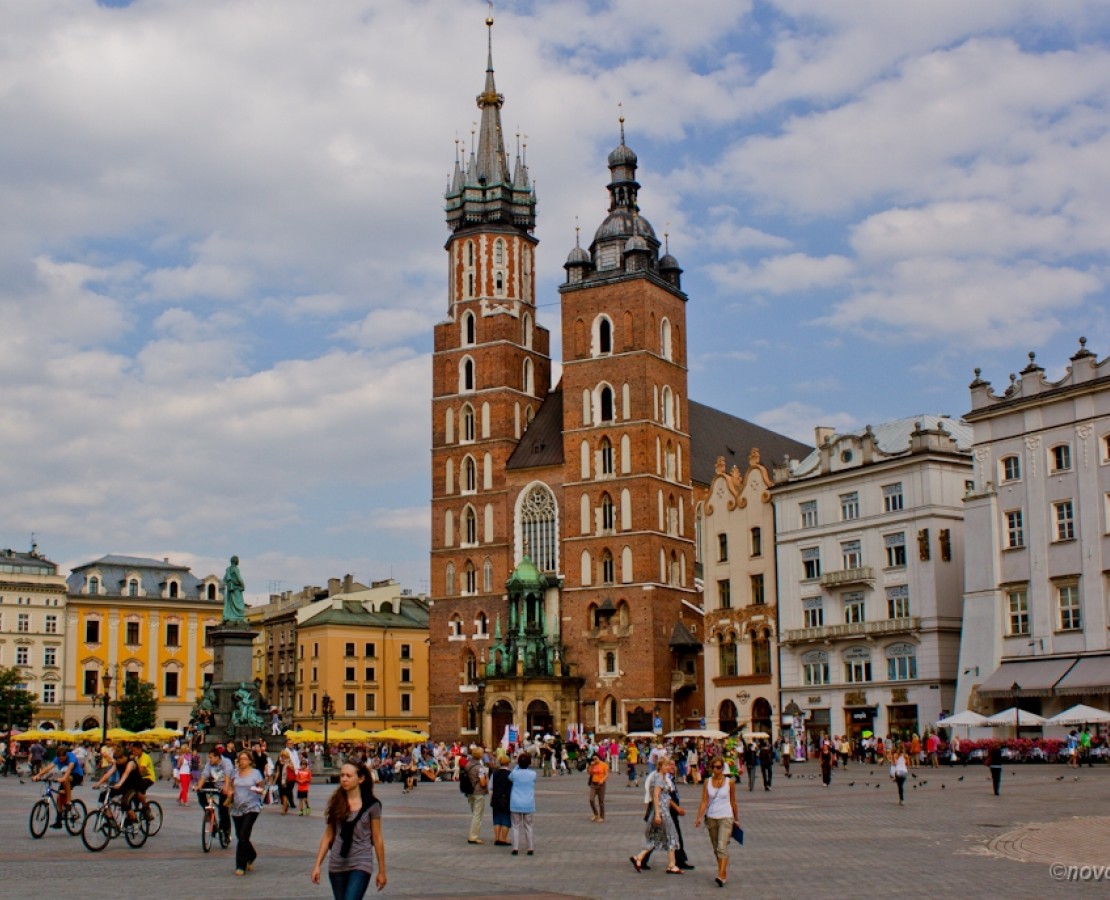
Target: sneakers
[57, 824]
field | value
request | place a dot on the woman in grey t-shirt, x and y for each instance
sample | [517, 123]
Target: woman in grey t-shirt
[352, 835]
[246, 803]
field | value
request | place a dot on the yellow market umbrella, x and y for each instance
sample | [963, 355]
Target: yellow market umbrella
[120, 734]
[398, 735]
[40, 734]
[89, 734]
[351, 734]
[306, 734]
[157, 734]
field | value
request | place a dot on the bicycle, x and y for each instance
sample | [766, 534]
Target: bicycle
[210, 826]
[73, 816]
[109, 820]
[151, 810]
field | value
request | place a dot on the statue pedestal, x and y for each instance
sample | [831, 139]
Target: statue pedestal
[232, 660]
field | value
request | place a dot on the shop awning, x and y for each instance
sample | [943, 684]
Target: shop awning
[1034, 677]
[1091, 675]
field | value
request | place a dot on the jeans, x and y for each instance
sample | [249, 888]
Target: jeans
[996, 779]
[244, 850]
[900, 780]
[349, 885]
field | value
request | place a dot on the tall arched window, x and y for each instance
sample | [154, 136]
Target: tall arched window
[604, 335]
[487, 576]
[470, 475]
[526, 326]
[466, 423]
[499, 252]
[173, 592]
[468, 329]
[470, 526]
[606, 513]
[605, 404]
[665, 406]
[538, 534]
[529, 378]
[449, 580]
[466, 374]
[761, 652]
[605, 451]
[133, 587]
[471, 578]
[726, 655]
[665, 338]
[94, 585]
[608, 571]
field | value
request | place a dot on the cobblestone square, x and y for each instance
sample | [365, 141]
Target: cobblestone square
[953, 838]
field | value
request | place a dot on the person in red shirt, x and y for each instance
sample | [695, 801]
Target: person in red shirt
[304, 779]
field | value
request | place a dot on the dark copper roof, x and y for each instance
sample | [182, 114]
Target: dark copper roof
[542, 443]
[714, 433]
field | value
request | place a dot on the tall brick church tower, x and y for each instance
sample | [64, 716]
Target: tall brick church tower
[491, 373]
[630, 561]
[562, 561]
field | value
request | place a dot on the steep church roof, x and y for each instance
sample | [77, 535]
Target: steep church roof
[542, 443]
[717, 434]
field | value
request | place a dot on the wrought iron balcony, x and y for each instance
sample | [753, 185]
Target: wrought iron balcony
[858, 575]
[851, 630]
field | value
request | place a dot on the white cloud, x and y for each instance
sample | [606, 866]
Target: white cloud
[798, 420]
[977, 303]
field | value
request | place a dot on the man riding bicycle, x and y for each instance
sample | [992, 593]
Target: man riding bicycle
[68, 773]
[217, 775]
[129, 782]
[146, 771]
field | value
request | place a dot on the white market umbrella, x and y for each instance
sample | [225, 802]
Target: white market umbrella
[1010, 717]
[711, 733]
[966, 718]
[1080, 714]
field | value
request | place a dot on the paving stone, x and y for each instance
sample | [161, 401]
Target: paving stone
[951, 836]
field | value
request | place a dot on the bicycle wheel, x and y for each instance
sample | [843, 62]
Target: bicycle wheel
[40, 819]
[134, 832]
[95, 833]
[74, 817]
[207, 826]
[154, 817]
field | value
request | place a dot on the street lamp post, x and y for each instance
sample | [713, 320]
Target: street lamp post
[329, 714]
[105, 698]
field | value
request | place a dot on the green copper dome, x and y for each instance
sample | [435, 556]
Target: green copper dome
[526, 576]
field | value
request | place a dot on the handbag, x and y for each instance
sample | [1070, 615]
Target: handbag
[738, 834]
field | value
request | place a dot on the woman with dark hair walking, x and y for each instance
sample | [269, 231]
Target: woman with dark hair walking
[246, 804]
[352, 835]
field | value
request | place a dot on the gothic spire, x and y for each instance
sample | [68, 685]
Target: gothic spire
[490, 193]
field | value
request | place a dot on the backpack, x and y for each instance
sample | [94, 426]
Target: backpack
[466, 786]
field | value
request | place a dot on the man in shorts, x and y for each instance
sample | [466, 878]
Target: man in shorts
[68, 773]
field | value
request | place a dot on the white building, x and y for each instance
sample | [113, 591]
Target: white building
[741, 671]
[869, 540]
[32, 623]
[1038, 542]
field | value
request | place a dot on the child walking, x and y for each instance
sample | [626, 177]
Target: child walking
[304, 779]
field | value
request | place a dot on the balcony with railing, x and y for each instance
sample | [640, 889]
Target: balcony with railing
[851, 630]
[681, 680]
[843, 577]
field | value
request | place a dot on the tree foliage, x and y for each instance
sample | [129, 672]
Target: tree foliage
[17, 705]
[138, 709]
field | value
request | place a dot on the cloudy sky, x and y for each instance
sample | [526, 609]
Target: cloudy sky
[221, 235]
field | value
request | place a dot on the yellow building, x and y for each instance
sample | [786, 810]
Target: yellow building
[32, 607]
[138, 620]
[366, 649]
